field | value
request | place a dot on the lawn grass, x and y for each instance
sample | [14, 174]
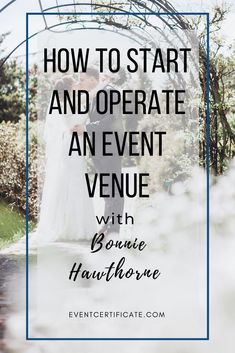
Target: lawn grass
[12, 225]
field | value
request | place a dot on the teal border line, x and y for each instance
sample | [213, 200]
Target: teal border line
[207, 337]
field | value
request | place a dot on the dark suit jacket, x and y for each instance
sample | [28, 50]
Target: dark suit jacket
[105, 122]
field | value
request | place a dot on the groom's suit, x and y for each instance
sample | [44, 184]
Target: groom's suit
[107, 164]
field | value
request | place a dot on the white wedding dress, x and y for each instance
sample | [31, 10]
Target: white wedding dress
[66, 211]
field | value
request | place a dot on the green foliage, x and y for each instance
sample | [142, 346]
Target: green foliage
[222, 92]
[12, 109]
[12, 165]
[11, 92]
[12, 225]
[33, 82]
[12, 89]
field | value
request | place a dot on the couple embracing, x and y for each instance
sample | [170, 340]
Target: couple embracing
[66, 211]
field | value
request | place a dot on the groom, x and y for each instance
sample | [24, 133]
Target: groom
[98, 123]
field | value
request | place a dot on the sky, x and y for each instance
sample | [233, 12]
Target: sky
[12, 19]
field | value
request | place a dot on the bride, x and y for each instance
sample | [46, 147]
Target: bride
[66, 211]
